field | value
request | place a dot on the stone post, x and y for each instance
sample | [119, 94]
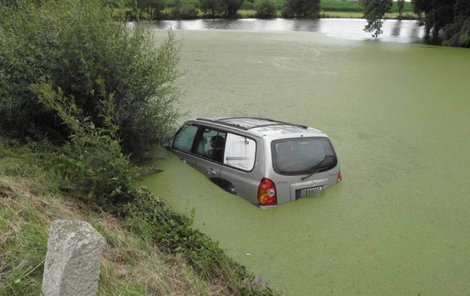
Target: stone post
[72, 265]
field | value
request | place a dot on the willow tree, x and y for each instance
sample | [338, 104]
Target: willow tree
[374, 13]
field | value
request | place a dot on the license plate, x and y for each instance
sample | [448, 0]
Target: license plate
[308, 192]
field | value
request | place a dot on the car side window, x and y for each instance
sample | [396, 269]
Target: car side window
[185, 138]
[211, 144]
[240, 152]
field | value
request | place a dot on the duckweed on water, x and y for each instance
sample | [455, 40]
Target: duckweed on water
[398, 117]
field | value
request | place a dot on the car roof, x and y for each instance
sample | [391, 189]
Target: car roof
[264, 127]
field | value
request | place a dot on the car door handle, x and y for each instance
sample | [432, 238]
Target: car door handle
[211, 172]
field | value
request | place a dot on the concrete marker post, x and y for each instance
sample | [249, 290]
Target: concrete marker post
[72, 265]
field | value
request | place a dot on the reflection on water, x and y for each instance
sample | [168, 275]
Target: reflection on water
[404, 31]
[396, 28]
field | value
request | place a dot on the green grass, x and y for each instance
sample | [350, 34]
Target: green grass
[352, 14]
[152, 251]
[339, 5]
[345, 6]
[30, 201]
[329, 8]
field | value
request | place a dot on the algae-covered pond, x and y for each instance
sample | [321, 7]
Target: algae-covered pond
[398, 116]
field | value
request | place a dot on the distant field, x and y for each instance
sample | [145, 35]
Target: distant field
[329, 9]
[340, 5]
[326, 5]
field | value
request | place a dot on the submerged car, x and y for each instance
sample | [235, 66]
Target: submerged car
[265, 161]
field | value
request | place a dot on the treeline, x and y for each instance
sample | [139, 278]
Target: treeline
[161, 9]
[445, 22]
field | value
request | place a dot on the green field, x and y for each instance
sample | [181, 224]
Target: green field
[398, 117]
[340, 5]
[329, 7]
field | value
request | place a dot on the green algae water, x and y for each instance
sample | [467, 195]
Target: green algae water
[398, 116]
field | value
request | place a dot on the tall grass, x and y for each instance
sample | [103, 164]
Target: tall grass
[31, 199]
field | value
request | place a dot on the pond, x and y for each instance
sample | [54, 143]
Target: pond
[403, 31]
[398, 115]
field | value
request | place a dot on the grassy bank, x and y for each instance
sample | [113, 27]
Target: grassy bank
[131, 265]
[140, 258]
[250, 13]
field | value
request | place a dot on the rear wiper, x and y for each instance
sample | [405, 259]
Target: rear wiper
[322, 165]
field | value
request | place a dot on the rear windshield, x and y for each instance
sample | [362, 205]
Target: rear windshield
[303, 156]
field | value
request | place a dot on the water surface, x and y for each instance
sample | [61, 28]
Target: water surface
[398, 116]
[402, 31]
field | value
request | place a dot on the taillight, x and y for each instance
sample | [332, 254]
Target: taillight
[339, 177]
[267, 192]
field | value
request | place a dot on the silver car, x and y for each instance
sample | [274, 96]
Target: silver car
[265, 161]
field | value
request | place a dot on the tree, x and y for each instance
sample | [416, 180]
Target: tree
[265, 9]
[153, 7]
[374, 13]
[400, 6]
[458, 33]
[87, 56]
[215, 7]
[227, 8]
[302, 9]
[232, 6]
[445, 21]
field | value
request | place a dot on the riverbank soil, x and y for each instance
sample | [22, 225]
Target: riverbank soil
[398, 116]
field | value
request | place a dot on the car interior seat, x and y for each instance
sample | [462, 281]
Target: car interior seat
[217, 144]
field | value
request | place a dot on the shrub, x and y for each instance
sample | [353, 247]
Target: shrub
[82, 50]
[287, 12]
[302, 8]
[232, 6]
[212, 7]
[154, 8]
[90, 164]
[186, 11]
[248, 5]
[265, 9]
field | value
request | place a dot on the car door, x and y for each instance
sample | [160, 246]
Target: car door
[239, 167]
[184, 142]
[209, 147]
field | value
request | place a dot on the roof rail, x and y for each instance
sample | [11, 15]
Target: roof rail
[274, 122]
[223, 123]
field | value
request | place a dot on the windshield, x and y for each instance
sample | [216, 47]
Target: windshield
[303, 156]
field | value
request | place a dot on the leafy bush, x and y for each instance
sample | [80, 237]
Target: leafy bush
[459, 35]
[302, 8]
[82, 50]
[226, 8]
[287, 12]
[154, 8]
[248, 5]
[186, 11]
[212, 7]
[232, 6]
[265, 9]
[90, 163]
